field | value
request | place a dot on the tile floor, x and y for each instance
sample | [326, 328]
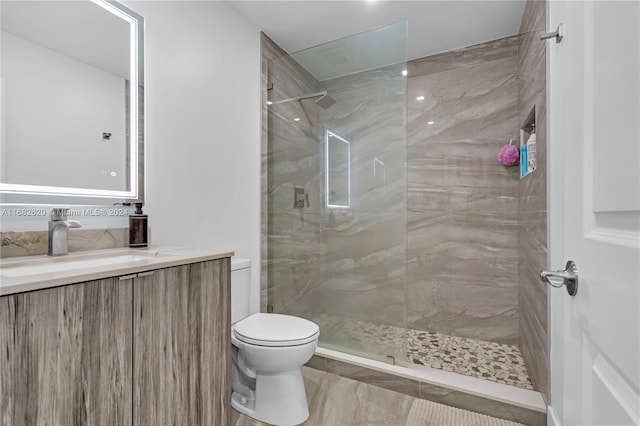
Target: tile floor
[338, 401]
[335, 400]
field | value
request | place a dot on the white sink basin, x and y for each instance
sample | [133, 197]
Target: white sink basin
[73, 262]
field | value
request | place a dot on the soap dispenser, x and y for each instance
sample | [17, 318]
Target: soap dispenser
[138, 228]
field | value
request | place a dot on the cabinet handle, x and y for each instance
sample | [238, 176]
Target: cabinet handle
[127, 277]
[138, 275]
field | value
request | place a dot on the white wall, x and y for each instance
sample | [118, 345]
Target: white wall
[202, 96]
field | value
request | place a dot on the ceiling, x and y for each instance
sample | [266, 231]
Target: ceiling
[433, 26]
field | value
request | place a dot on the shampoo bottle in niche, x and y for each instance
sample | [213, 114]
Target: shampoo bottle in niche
[138, 228]
[531, 150]
[523, 160]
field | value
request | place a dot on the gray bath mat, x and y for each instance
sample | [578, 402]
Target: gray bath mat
[427, 413]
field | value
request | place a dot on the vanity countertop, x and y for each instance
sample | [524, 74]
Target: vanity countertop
[20, 274]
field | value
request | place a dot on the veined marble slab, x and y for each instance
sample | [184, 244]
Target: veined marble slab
[29, 243]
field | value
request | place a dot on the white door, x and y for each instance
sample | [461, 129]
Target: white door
[594, 204]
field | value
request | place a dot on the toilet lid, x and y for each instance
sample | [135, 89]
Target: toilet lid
[275, 330]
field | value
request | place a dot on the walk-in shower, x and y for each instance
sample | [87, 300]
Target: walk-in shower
[404, 249]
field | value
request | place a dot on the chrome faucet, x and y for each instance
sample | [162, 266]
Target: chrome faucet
[59, 232]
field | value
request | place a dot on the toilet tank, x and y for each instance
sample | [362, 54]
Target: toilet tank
[240, 288]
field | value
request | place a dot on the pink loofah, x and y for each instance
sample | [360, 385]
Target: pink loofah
[509, 155]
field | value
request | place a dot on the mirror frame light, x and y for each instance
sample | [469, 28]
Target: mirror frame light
[328, 133]
[136, 70]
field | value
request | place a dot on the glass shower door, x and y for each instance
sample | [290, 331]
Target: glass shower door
[337, 237]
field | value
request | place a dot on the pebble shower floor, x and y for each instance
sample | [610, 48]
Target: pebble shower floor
[477, 358]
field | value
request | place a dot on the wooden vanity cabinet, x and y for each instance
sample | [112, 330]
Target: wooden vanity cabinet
[66, 355]
[182, 346]
[148, 349]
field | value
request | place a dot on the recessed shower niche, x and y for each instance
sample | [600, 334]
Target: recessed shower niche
[528, 145]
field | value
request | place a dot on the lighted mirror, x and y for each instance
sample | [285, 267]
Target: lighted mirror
[337, 170]
[72, 73]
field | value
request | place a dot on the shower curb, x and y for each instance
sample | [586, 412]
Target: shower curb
[324, 361]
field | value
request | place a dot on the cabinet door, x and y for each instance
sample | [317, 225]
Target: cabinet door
[182, 345]
[66, 355]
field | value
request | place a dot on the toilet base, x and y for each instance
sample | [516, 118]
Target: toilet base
[280, 399]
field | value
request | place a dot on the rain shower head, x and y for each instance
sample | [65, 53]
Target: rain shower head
[324, 100]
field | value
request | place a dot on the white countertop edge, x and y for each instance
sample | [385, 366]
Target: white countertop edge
[174, 256]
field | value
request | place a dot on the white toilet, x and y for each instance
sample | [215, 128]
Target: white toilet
[267, 353]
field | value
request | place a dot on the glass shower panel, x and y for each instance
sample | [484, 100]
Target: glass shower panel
[337, 182]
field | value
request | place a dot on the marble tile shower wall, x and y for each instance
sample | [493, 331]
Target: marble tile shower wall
[462, 208]
[532, 198]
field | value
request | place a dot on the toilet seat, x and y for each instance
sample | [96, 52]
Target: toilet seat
[275, 330]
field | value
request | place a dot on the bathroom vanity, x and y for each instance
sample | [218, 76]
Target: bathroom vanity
[136, 337]
[110, 337]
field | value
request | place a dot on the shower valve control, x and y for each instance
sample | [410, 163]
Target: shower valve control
[301, 197]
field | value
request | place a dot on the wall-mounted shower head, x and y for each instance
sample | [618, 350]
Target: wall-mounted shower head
[324, 100]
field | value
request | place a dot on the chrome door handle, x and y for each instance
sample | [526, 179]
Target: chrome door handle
[568, 278]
